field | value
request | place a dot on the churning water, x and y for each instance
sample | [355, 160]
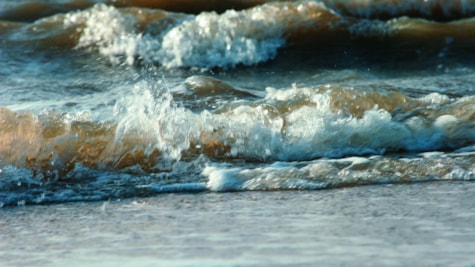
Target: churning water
[114, 100]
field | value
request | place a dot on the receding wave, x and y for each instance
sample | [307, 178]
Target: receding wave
[22, 186]
[353, 171]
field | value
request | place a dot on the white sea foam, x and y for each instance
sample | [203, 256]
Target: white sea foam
[258, 130]
[207, 40]
[223, 179]
[435, 99]
[324, 173]
[112, 33]
[223, 40]
[151, 116]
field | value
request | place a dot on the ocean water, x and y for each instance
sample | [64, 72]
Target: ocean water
[120, 103]
[419, 224]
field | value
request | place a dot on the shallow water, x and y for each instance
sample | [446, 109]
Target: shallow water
[327, 127]
[423, 224]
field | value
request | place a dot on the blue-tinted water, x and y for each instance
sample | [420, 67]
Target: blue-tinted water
[428, 224]
[238, 133]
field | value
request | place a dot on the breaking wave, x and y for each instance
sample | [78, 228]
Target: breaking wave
[247, 37]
